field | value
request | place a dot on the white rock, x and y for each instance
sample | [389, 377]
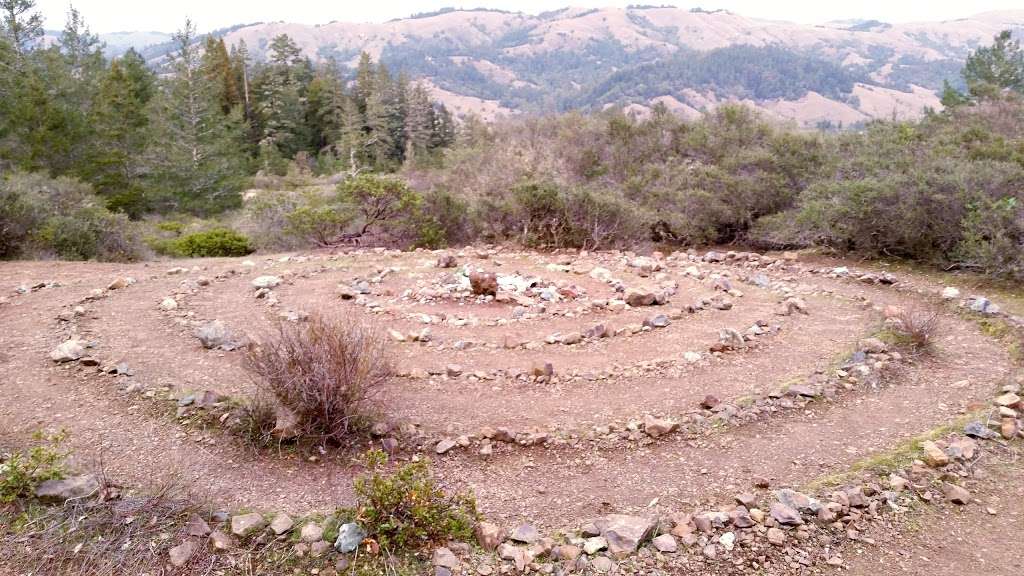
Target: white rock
[168, 304]
[266, 282]
[950, 293]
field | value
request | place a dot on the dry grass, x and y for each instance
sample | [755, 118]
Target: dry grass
[326, 372]
[916, 328]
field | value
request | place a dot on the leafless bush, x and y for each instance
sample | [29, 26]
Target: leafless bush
[257, 421]
[916, 327]
[325, 372]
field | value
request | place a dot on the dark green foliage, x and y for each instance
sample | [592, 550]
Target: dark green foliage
[210, 243]
[406, 510]
[383, 202]
[742, 71]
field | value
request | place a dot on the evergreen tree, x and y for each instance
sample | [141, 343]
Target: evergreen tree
[365, 81]
[20, 25]
[121, 124]
[198, 154]
[997, 67]
[325, 109]
[219, 70]
[419, 123]
[282, 112]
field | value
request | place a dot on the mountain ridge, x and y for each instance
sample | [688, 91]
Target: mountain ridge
[496, 62]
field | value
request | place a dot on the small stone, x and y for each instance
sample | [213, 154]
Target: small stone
[197, 527]
[118, 283]
[444, 558]
[655, 427]
[484, 283]
[282, 523]
[168, 304]
[266, 282]
[665, 543]
[956, 494]
[565, 552]
[727, 540]
[447, 261]
[319, 548]
[625, 533]
[221, 540]
[933, 455]
[311, 532]
[776, 537]
[602, 564]
[785, 515]
[594, 545]
[246, 524]
[691, 357]
[68, 351]
[350, 536]
[950, 293]
[75, 487]
[1008, 428]
[453, 370]
[526, 534]
[182, 553]
[445, 445]
[488, 535]
[1010, 400]
[709, 402]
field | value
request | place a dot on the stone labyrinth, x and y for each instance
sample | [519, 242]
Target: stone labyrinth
[603, 396]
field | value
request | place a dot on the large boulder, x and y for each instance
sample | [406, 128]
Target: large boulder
[625, 533]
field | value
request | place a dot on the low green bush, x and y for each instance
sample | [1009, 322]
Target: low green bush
[406, 510]
[210, 243]
[22, 472]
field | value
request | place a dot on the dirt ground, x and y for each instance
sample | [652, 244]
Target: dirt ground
[600, 382]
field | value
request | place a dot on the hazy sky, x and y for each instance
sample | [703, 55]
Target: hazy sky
[166, 16]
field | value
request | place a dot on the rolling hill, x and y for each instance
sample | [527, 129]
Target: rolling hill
[496, 63]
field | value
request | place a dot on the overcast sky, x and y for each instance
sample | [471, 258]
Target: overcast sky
[166, 16]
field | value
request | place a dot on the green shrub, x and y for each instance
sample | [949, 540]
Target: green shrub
[319, 221]
[211, 243]
[993, 238]
[383, 202]
[62, 217]
[22, 472]
[406, 510]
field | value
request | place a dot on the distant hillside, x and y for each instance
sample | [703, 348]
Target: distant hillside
[493, 62]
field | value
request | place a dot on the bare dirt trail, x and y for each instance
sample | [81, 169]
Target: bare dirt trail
[547, 486]
[981, 538]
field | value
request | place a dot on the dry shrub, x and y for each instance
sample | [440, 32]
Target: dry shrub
[916, 327]
[325, 372]
[101, 536]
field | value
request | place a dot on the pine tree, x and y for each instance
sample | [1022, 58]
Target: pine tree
[197, 155]
[419, 123]
[121, 124]
[218, 68]
[365, 84]
[20, 25]
[325, 109]
[281, 105]
[997, 67]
